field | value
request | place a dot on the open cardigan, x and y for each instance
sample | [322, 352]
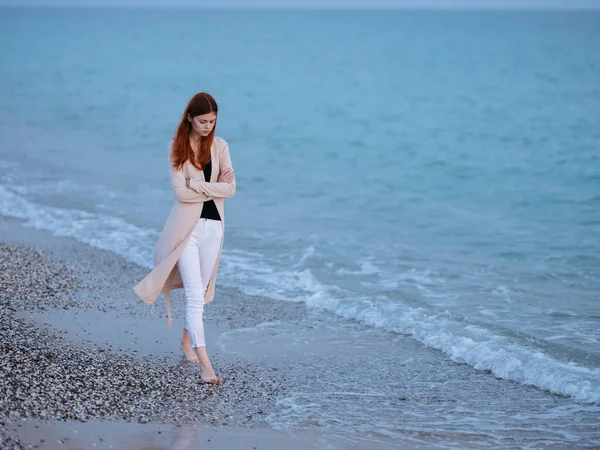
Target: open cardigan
[185, 213]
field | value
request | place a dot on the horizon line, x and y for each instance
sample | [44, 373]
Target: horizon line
[307, 8]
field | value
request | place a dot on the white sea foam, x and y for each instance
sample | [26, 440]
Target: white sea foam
[477, 347]
[471, 344]
[100, 231]
[366, 268]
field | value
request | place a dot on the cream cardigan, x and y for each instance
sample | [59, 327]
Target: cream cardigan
[186, 211]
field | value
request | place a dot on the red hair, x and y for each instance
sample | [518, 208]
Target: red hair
[201, 103]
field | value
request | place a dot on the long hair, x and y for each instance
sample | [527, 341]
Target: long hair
[201, 103]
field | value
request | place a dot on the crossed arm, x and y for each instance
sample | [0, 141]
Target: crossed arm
[182, 192]
[217, 188]
[200, 191]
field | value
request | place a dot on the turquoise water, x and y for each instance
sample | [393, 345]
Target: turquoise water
[434, 174]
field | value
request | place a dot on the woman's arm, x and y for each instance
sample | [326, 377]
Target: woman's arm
[217, 188]
[182, 192]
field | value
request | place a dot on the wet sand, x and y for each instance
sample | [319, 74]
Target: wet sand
[86, 365]
[128, 435]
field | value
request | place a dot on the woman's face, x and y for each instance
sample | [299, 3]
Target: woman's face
[203, 124]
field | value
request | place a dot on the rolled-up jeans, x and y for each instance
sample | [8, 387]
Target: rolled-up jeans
[196, 265]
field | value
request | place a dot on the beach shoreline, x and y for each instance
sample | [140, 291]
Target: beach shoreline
[86, 360]
[126, 372]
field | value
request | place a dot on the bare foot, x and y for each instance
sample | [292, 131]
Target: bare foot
[189, 353]
[186, 348]
[210, 380]
[207, 374]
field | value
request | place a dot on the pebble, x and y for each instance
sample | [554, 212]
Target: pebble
[45, 376]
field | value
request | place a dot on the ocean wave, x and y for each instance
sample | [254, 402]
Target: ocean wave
[100, 231]
[256, 275]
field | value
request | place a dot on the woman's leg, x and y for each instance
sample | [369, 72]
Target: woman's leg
[209, 243]
[189, 268]
[196, 264]
[186, 347]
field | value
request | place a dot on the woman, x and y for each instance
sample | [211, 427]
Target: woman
[188, 250]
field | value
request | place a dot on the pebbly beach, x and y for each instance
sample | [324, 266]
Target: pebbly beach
[50, 376]
[86, 364]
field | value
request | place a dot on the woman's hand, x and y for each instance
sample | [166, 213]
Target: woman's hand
[226, 176]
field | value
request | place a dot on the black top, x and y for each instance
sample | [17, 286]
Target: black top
[209, 210]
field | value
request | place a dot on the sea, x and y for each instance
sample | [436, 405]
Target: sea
[429, 173]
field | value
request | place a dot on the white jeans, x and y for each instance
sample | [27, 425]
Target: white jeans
[196, 265]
